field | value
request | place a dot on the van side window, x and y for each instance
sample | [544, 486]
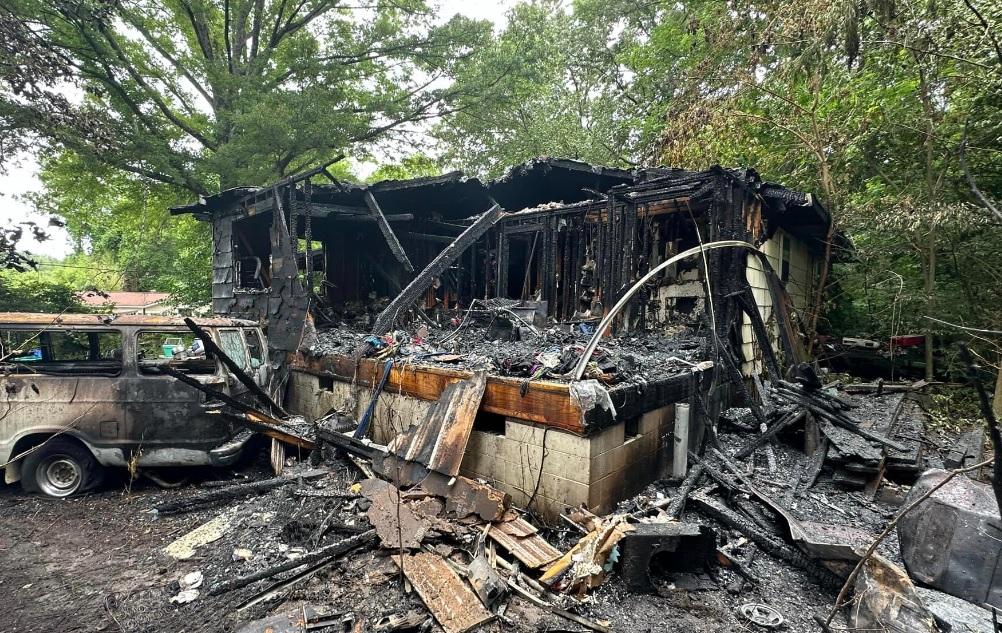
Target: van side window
[182, 351]
[62, 351]
[232, 343]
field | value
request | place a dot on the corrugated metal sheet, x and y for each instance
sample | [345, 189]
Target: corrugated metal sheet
[453, 603]
[439, 441]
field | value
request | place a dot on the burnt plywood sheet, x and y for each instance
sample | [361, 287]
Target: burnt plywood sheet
[439, 441]
[453, 603]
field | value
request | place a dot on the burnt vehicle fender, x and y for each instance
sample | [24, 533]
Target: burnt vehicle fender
[20, 444]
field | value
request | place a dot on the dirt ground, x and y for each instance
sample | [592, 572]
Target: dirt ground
[61, 560]
[71, 565]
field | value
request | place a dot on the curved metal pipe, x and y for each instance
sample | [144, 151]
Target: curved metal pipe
[607, 319]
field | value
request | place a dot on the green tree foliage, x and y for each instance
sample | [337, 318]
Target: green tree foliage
[124, 233]
[413, 166]
[555, 91]
[203, 94]
[26, 292]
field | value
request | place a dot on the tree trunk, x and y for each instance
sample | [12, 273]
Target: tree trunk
[930, 298]
[997, 399]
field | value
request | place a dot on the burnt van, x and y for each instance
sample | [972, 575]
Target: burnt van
[80, 393]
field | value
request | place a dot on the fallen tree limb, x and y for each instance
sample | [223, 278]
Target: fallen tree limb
[331, 551]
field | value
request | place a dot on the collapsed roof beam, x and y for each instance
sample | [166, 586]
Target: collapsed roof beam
[388, 317]
[391, 238]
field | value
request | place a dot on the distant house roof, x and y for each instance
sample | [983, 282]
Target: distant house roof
[122, 299]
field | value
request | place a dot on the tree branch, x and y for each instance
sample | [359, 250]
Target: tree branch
[153, 94]
[178, 66]
[970, 178]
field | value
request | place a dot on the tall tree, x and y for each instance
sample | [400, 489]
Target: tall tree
[556, 91]
[207, 94]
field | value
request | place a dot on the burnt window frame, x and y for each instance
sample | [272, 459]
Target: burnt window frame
[47, 365]
[244, 257]
[182, 332]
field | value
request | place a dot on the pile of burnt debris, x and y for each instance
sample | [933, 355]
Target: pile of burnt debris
[510, 338]
[759, 534]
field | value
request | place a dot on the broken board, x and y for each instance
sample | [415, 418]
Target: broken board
[453, 603]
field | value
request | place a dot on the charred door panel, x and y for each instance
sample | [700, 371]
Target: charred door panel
[164, 414]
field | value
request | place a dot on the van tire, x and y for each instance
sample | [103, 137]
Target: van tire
[60, 468]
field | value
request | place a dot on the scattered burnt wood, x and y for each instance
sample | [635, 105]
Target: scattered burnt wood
[322, 554]
[830, 410]
[874, 484]
[205, 499]
[813, 469]
[771, 546]
[784, 422]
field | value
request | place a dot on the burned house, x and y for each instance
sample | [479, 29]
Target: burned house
[384, 296]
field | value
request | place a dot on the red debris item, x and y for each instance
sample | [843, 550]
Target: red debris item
[908, 340]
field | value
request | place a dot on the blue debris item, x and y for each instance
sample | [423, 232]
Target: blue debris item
[363, 425]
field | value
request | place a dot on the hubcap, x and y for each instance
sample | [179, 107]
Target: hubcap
[61, 476]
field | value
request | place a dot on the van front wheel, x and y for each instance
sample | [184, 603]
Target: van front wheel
[59, 469]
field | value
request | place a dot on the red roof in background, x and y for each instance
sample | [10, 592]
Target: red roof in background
[121, 299]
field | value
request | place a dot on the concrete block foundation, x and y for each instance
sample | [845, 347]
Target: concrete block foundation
[557, 469]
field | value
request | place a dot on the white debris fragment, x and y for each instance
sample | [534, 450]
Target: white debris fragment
[242, 554]
[186, 596]
[191, 581]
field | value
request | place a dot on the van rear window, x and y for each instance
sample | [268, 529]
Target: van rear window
[179, 350]
[62, 351]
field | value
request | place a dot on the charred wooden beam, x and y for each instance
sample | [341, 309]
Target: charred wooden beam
[200, 501]
[324, 553]
[354, 217]
[716, 510]
[428, 237]
[384, 226]
[388, 317]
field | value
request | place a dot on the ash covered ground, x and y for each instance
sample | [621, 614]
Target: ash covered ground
[97, 563]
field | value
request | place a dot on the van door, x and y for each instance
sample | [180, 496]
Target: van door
[166, 417]
[62, 380]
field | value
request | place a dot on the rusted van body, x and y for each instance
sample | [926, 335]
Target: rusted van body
[85, 392]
